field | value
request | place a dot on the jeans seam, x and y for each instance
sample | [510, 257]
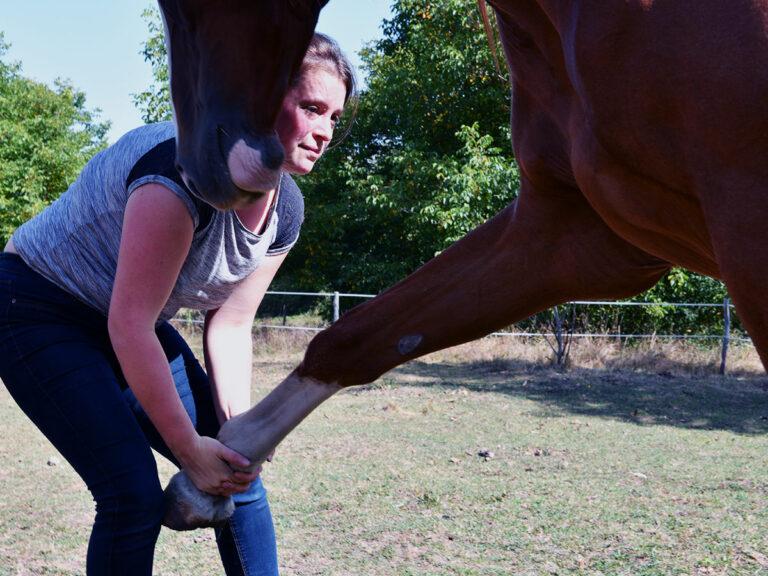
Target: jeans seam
[238, 547]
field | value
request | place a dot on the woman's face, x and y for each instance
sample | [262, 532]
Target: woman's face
[310, 112]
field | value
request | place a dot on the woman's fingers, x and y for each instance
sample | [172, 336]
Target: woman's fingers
[248, 477]
[209, 469]
[234, 459]
[219, 470]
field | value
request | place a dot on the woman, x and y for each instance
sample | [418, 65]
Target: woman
[86, 289]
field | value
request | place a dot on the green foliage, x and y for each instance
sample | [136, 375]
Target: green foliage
[680, 285]
[428, 159]
[46, 136]
[155, 101]
[431, 74]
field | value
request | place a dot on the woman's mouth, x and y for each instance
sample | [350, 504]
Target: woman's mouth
[313, 153]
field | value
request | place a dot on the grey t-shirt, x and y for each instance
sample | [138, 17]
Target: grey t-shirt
[74, 242]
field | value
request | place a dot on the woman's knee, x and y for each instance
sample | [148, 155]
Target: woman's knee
[134, 502]
[128, 522]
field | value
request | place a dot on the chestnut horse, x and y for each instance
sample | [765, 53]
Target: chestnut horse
[641, 131]
[230, 64]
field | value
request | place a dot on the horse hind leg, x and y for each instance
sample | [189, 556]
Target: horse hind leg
[736, 222]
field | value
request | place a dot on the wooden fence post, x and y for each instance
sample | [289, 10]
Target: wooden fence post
[726, 333]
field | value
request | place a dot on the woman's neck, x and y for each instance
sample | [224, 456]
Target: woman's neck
[254, 216]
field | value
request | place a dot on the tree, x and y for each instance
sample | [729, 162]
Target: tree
[155, 101]
[46, 137]
[427, 160]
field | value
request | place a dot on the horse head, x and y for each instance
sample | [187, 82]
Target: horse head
[231, 63]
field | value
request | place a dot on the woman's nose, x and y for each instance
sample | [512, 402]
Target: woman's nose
[325, 129]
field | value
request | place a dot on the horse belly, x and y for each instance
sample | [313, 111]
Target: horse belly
[646, 212]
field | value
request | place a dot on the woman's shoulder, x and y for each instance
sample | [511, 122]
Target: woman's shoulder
[290, 216]
[152, 150]
[157, 158]
[290, 197]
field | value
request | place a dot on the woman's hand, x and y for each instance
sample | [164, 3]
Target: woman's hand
[212, 468]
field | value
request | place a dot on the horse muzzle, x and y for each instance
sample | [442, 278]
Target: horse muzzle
[230, 171]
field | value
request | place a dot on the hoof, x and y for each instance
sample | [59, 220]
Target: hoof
[187, 508]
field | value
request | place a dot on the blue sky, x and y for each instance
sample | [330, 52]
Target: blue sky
[96, 43]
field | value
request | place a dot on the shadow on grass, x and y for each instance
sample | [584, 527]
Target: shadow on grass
[737, 404]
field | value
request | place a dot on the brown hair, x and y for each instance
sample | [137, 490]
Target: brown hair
[324, 53]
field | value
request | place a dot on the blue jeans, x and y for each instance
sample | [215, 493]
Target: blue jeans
[58, 364]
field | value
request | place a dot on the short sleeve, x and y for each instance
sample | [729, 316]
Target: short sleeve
[290, 214]
[158, 165]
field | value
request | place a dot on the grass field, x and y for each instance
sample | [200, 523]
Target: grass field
[480, 460]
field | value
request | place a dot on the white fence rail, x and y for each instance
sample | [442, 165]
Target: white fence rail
[559, 331]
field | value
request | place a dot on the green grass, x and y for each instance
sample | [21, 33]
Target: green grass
[469, 462]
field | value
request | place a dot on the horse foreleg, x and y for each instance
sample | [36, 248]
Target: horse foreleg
[539, 252]
[186, 507]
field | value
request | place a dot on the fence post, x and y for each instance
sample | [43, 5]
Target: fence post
[726, 333]
[558, 336]
[335, 306]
